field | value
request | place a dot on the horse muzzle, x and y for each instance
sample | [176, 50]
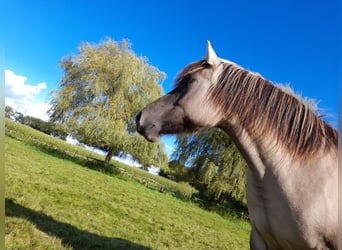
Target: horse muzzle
[150, 130]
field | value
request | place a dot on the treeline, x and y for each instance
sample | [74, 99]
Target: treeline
[50, 128]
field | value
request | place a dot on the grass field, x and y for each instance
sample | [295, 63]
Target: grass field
[56, 202]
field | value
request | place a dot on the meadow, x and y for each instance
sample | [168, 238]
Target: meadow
[58, 196]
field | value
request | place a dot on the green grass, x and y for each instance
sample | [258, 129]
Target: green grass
[56, 203]
[80, 155]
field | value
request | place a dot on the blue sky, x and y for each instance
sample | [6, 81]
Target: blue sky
[291, 42]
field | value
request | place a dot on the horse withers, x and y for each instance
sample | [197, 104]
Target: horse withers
[291, 153]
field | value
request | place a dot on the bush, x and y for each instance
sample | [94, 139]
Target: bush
[186, 191]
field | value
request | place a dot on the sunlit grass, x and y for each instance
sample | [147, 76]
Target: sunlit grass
[54, 203]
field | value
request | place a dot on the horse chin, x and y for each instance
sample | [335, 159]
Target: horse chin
[152, 137]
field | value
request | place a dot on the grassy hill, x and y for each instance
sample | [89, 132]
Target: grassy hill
[56, 200]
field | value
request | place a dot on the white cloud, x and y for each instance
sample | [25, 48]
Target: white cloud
[22, 96]
[15, 86]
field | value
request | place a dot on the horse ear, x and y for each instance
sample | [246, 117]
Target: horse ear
[211, 57]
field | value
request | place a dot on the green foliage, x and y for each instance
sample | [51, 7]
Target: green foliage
[102, 89]
[9, 113]
[215, 166]
[186, 190]
[50, 128]
[176, 171]
[52, 202]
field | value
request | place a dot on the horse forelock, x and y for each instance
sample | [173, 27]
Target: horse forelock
[266, 110]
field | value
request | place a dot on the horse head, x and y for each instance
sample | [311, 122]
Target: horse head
[186, 108]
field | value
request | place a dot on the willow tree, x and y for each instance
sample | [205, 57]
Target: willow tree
[216, 168]
[104, 85]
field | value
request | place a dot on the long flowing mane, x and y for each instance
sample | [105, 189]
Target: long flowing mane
[265, 109]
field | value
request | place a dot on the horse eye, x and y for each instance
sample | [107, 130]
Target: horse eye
[188, 79]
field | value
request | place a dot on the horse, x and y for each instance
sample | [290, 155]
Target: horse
[290, 151]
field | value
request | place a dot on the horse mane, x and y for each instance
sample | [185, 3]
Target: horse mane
[266, 109]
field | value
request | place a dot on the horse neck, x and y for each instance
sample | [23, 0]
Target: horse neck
[262, 152]
[258, 153]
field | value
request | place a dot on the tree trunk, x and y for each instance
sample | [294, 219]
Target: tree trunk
[109, 156]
